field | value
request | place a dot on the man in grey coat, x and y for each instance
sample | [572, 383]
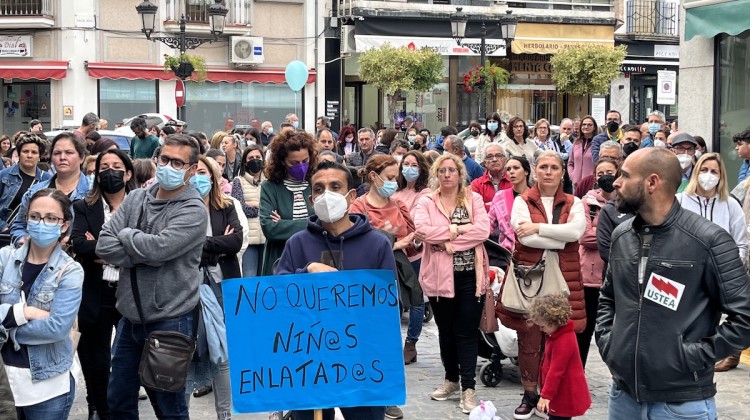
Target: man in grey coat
[156, 235]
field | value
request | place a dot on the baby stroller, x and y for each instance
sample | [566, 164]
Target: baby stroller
[503, 343]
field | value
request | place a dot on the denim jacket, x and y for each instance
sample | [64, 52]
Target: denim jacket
[18, 228]
[48, 340]
[10, 183]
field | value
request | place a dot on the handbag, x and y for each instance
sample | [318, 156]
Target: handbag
[166, 355]
[75, 332]
[488, 323]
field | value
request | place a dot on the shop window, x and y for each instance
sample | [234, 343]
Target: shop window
[734, 105]
[121, 99]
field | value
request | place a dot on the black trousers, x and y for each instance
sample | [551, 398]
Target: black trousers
[457, 320]
[95, 353]
[591, 296]
[553, 417]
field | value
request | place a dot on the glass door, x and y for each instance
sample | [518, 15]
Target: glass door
[23, 102]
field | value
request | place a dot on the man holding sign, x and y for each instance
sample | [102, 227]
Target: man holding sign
[317, 341]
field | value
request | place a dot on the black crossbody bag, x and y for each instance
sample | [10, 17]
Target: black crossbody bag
[166, 355]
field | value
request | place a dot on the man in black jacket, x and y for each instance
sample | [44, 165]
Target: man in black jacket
[672, 274]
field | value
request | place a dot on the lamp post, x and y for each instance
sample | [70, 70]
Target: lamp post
[458, 30]
[217, 14]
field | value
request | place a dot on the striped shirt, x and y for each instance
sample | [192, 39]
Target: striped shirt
[299, 208]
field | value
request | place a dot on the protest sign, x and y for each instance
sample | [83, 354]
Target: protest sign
[308, 341]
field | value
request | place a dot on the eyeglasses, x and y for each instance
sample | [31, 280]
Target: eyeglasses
[496, 156]
[451, 171]
[683, 150]
[48, 220]
[91, 172]
[175, 163]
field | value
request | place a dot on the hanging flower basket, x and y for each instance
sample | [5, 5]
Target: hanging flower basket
[485, 78]
[186, 66]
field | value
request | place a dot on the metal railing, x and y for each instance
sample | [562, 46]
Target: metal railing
[196, 11]
[594, 5]
[652, 17]
[25, 8]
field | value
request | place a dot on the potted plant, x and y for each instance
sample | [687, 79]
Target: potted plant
[485, 78]
[185, 65]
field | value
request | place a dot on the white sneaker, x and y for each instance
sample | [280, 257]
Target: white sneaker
[445, 390]
[468, 400]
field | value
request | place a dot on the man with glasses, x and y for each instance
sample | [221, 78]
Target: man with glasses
[155, 237]
[612, 131]
[493, 179]
[143, 144]
[684, 146]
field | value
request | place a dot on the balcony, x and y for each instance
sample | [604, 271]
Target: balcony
[38, 14]
[239, 18]
[652, 20]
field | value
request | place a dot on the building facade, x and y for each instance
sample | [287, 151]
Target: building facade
[66, 58]
[714, 81]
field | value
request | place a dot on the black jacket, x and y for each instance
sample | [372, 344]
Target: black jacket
[666, 352]
[609, 219]
[222, 249]
[89, 218]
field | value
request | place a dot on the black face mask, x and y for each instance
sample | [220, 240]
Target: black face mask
[254, 166]
[629, 148]
[474, 133]
[612, 126]
[112, 180]
[606, 183]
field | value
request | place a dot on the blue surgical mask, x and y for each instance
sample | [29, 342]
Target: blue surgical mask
[388, 188]
[202, 183]
[410, 173]
[41, 234]
[439, 140]
[295, 124]
[170, 178]
[90, 178]
[653, 128]
[492, 126]
[411, 139]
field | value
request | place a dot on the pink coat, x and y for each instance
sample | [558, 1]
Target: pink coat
[500, 209]
[436, 272]
[592, 264]
[580, 162]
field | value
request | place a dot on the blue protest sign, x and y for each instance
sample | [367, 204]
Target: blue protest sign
[308, 341]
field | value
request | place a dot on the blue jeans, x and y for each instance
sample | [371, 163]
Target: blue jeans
[416, 313]
[624, 407]
[124, 381]
[349, 413]
[55, 408]
[250, 260]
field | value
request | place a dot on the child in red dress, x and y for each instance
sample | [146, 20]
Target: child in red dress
[565, 393]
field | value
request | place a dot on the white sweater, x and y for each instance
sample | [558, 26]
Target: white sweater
[550, 236]
[727, 214]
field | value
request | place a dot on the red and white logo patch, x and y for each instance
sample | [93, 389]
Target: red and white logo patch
[664, 291]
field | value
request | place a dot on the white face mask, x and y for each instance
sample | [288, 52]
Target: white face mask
[708, 180]
[330, 206]
[685, 160]
[398, 158]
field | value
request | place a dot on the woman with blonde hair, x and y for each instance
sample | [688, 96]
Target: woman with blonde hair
[454, 272]
[217, 138]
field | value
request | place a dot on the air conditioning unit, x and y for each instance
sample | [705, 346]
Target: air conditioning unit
[348, 44]
[246, 50]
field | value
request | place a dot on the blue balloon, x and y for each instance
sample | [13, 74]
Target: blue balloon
[296, 75]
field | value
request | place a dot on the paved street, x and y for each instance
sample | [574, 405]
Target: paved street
[733, 399]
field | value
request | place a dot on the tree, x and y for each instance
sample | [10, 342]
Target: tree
[394, 70]
[587, 69]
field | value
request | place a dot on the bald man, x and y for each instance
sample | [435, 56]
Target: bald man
[672, 273]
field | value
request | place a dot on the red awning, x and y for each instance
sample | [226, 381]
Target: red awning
[40, 70]
[214, 74]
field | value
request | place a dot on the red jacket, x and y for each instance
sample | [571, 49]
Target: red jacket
[562, 379]
[483, 186]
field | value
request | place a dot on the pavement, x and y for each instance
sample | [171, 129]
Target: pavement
[733, 398]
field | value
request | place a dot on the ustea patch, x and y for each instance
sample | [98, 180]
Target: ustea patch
[664, 291]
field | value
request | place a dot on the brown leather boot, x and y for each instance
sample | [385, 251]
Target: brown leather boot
[728, 363]
[410, 352]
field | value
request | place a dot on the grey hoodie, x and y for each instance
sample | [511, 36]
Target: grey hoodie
[165, 250]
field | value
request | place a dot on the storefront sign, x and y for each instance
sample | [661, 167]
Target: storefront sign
[307, 341]
[599, 109]
[547, 38]
[442, 46]
[666, 51]
[666, 89]
[530, 64]
[15, 46]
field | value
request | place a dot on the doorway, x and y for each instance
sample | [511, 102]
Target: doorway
[361, 105]
[23, 102]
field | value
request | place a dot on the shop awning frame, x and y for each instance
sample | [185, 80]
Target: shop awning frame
[33, 70]
[547, 38]
[135, 71]
[730, 17]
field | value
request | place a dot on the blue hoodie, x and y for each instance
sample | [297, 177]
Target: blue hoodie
[359, 248]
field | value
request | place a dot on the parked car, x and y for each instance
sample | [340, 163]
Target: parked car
[151, 119]
[121, 138]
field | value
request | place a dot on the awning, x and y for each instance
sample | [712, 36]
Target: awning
[131, 71]
[38, 70]
[443, 46]
[711, 20]
[547, 38]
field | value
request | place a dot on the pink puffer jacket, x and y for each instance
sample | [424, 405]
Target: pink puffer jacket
[592, 264]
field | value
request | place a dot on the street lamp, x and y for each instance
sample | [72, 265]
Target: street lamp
[458, 30]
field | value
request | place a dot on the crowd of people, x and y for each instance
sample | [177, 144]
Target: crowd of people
[124, 239]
